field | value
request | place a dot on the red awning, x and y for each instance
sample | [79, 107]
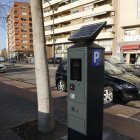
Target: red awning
[130, 47]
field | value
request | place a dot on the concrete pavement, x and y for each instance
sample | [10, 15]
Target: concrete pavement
[18, 106]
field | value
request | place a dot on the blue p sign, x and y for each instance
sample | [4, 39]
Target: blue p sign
[96, 57]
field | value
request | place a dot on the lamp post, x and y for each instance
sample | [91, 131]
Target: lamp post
[53, 9]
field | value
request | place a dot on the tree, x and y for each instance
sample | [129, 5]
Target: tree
[4, 53]
[45, 112]
[4, 8]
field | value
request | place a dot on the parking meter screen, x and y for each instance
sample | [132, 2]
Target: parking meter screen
[76, 69]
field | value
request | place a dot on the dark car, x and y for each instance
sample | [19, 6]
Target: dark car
[56, 60]
[51, 60]
[12, 60]
[118, 85]
[120, 64]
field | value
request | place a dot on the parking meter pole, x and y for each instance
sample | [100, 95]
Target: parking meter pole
[85, 92]
[85, 86]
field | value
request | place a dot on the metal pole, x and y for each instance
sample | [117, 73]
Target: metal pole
[53, 37]
[52, 8]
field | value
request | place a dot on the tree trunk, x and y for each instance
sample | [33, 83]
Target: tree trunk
[45, 113]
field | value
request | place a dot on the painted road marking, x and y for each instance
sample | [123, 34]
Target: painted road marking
[11, 84]
[128, 117]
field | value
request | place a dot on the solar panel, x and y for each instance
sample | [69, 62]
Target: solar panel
[87, 32]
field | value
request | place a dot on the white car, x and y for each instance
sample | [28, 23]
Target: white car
[2, 68]
[137, 63]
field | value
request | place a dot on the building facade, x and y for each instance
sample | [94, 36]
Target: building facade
[63, 17]
[19, 31]
[128, 29]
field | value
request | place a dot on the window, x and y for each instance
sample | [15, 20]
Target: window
[47, 28]
[58, 47]
[87, 19]
[30, 19]
[30, 24]
[88, 7]
[107, 44]
[23, 7]
[31, 41]
[23, 30]
[30, 30]
[75, 11]
[31, 46]
[23, 19]
[23, 13]
[130, 32]
[138, 8]
[23, 24]
[73, 0]
[24, 41]
[23, 35]
[15, 12]
[47, 9]
[31, 35]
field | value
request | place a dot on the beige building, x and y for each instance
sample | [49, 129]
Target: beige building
[70, 15]
[121, 36]
[128, 29]
[19, 31]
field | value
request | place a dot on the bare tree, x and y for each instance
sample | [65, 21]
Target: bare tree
[4, 9]
[4, 53]
[45, 112]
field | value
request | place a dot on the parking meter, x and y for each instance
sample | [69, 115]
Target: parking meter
[85, 83]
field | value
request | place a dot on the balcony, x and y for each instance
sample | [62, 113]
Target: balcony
[16, 16]
[16, 21]
[103, 8]
[16, 32]
[105, 35]
[66, 7]
[88, 13]
[17, 43]
[58, 40]
[102, 35]
[110, 21]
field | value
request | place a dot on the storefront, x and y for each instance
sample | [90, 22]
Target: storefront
[130, 52]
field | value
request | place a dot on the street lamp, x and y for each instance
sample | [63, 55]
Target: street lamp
[53, 8]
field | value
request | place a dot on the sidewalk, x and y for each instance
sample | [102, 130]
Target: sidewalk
[19, 114]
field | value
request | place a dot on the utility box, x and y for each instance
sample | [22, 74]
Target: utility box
[85, 83]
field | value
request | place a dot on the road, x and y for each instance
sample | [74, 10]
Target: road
[19, 103]
[26, 73]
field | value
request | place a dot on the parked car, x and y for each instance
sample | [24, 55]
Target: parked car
[2, 59]
[51, 60]
[2, 68]
[119, 86]
[120, 64]
[12, 60]
[57, 60]
[137, 63]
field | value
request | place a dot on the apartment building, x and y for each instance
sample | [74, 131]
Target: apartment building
[67, 16]
[19, 31]
[128, 29]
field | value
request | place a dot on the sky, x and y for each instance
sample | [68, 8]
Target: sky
[3, 13]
